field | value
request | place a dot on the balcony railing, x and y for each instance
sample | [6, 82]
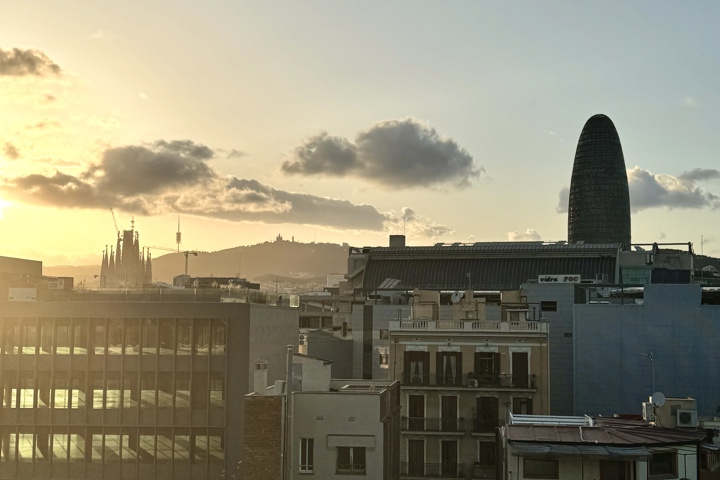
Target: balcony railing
[432, 469]
[424, 324]
[470, 380]
[432, 424]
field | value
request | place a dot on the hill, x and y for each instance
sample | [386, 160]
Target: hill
[281, 258]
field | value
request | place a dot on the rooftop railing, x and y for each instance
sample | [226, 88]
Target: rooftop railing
[423, 324]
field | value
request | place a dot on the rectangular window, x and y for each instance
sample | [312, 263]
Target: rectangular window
[548, 306]
[616, 470]
[350, 461]
[306, 455]
[535, 468]
[522, 406]
[662, 465]
[384, 334]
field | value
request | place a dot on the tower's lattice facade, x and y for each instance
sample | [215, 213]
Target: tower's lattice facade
[599, 204]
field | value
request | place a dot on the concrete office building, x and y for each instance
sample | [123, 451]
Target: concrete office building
[126, 389]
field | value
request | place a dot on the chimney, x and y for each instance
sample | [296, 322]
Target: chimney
[397, 240]
[260, 377]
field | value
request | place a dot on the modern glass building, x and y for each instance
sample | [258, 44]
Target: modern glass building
[141, 388]
[599, 204]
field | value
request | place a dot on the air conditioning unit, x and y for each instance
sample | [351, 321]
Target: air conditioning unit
[686, 418]
[473, 383]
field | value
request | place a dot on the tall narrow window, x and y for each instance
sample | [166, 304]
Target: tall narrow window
[306, 455]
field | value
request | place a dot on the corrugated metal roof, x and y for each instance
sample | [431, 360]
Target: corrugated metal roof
[501, 273]
[632, 434]
[547, 450]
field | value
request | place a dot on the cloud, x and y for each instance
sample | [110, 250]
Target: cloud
[563, 201]
[185, 148]
[236, 154]
[174, 177]
[11, 151]
[650, 190]
[394, 154]
[700, 174]
[18, 62]
[416, 225]
[689, 102]
[529, 235]
[45, 124]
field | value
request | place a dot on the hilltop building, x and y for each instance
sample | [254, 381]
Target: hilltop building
[599, 203]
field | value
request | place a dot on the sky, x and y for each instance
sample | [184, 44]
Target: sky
[346, 122]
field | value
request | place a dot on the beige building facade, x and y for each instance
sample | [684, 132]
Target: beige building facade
[460, 378]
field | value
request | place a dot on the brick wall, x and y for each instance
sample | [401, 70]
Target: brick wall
[263, 438]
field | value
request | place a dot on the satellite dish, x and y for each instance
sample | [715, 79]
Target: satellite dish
[658, 399]
[455, 297]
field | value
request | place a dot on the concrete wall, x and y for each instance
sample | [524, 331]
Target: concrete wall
[560, 339]
[330, 413]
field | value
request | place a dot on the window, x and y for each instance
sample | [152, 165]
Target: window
[616, 470]
[548, 306]
[534, 468]
[306, 455]
[350, 461]
[662, 465]
[522, 406]
[384, 335]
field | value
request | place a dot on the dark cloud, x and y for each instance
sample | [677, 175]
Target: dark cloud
[397, 153]
[649, 190]
[324, 155]
[18, 62]
[139, 180]
[11, 151]
[408, 214]
[700, 174]
[185, 148]
[137, 170]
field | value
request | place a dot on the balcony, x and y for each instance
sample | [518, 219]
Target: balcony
[432, 470]
[470, 380]
[432, 424]
[426, 325]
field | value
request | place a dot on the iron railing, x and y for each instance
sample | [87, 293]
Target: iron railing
[470, 380]
[432, 469]
[432, 424]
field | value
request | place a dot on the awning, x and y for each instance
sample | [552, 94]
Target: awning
[552, 450]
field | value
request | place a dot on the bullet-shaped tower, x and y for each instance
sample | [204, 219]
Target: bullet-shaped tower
[599, 204]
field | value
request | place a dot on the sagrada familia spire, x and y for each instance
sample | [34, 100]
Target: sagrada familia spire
[127, 266]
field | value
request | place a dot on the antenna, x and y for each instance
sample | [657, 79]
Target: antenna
[651, 357]
[178, 236]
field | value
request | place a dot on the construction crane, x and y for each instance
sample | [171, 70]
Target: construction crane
[117, 230]
[187, 253]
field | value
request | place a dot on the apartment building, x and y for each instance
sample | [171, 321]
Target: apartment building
[461, 376]
[337, 428]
